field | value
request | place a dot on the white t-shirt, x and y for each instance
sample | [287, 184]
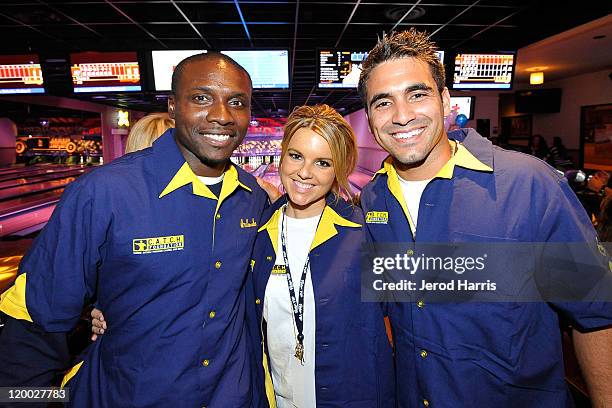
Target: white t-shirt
[294, 383]
[413, 190]
[209, 181]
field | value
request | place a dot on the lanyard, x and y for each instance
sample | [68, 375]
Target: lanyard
[297, 305]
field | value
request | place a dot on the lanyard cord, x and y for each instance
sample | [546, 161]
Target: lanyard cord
[297, 305]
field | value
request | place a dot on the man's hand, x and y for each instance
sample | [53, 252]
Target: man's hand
[594, 353]
[98, 324]
[269, 188]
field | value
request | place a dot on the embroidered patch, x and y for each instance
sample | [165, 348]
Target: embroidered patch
[279, 270]
[158, 244]
[377, 217]
[245, 223]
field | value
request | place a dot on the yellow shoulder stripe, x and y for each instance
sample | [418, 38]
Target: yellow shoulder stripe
[13, 301]
[272, 227]
[268, 381]
[71, 373]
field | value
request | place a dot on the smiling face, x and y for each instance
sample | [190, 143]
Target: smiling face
[307, 173]
[406, 116]
[211, 109]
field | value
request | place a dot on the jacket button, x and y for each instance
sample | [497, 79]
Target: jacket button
[269, 258]
[425, 403]
[218, 216]
[423, 353]
[205, 363]
[257, 301]
[212, 314]
[421, 304]
[218, 264]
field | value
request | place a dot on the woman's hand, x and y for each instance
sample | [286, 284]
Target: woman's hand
[98, 324]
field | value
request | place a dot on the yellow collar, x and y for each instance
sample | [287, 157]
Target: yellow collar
[186, 176]
[462, 158]
[325, 230]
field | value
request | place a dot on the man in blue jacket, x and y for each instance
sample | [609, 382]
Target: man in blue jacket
[158, 239]
[439, 187]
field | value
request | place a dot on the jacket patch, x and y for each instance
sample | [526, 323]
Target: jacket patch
[279, 270]
[245, 223]
[158, 244]
[377, 217]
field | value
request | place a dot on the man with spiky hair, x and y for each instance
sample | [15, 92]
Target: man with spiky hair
[457, 187]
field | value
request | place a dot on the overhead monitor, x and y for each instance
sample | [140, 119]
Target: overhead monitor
[105, 72]
[164, 63]
[269, 69]
[340, 68]
[463, 105]
[484, 71]
[20, 74]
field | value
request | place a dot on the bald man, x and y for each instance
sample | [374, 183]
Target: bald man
[156, 239]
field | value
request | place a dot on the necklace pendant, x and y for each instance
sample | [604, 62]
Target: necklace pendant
[299, 352]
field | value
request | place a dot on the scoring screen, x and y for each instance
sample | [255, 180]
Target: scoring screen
[105, 72]
[20, 74]
[340, 69]
[463, 105]
[483, 71]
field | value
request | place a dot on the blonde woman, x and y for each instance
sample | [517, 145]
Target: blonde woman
[318, 344]
[146, 130]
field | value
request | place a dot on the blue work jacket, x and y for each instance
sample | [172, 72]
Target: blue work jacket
[353, 362]
[469, 354]
[166, 260]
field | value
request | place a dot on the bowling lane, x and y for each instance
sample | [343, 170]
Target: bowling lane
[37, 178]
[18, 172]
[34, 188]
[28, 195]
[271, 176]
[260, 170]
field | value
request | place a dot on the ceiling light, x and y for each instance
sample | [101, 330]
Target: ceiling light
[536, 78]
[536, 69]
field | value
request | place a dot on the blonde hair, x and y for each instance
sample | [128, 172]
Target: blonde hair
[146, 130]
[331, 126]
